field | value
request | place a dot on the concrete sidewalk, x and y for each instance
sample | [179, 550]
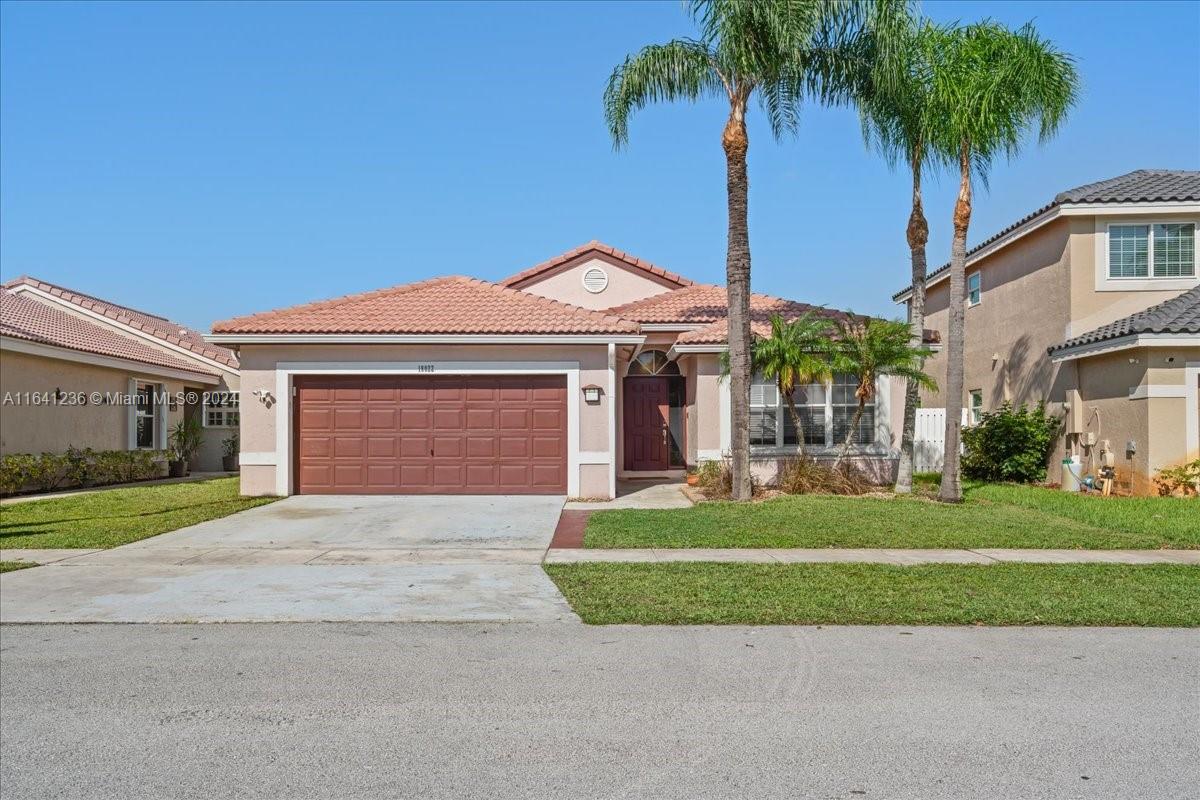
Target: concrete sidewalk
[897, 557]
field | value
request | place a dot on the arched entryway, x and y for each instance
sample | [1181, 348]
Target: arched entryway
[653, 414]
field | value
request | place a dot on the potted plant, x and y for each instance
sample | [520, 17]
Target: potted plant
[229, 453]
[184, 441]
[693, 477]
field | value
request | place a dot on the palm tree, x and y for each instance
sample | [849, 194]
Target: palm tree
[796, 353]
[868, 348]
[779, 50]
[990, 87]
[897, 119]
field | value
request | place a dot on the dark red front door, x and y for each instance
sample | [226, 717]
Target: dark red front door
[645, 424]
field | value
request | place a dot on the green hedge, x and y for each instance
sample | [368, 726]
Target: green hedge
[50, 471]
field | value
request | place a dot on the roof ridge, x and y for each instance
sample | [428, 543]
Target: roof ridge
[600, 247]
[120, 313]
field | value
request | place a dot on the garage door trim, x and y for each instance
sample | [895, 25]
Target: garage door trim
[284, 372]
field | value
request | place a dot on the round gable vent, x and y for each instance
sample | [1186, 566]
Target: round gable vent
[595, 280]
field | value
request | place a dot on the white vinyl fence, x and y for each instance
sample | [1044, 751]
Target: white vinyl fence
[929, 439]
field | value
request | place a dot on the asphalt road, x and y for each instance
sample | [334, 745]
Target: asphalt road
[461, 711]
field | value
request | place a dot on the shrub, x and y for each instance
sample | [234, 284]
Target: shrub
[804, 475]
[1010, 444]
[715, 479]
[49, 471]
[1181, 480]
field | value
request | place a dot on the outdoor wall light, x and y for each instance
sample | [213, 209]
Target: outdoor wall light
[591, 394]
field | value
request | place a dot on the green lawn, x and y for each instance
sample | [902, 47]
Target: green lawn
[990, 516]
[877, 594]
[119, 516]
[12, 566]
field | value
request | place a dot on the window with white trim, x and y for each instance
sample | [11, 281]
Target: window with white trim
[825, 412]
[974, 289]
[146, 415]
[221, 410]
[1160, 250]
[976, 406]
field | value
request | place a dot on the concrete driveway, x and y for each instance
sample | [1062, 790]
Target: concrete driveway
[315, 558]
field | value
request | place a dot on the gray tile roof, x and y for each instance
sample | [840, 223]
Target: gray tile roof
[1177, 315]
[1139, 186]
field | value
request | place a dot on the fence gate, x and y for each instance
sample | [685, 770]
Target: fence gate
[929, 439]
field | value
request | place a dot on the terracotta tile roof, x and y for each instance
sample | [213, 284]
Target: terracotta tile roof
[762, 308]
[704, 303]
[449, 305]
[24, 316]
[159, 327]
[595, 247]
[1178, 315]
[1139, 186]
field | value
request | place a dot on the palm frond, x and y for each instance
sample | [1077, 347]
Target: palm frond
[679, 70]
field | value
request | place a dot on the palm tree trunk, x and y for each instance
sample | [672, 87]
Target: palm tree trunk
[737, 279]
[857, 418]
[951, 489]
[918, 236]
[794, 413]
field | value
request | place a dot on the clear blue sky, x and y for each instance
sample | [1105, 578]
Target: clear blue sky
[203, 161]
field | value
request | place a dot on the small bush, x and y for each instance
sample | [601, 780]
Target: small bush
[1181, 480]
[715, 479]
[1009, 444]
[804, 475]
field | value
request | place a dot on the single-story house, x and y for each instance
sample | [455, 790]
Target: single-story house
[78, 371]
[590, 366]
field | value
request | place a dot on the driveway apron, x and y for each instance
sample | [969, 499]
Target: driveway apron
[315, 558]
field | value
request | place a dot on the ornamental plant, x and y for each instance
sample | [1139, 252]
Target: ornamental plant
[1011, 443]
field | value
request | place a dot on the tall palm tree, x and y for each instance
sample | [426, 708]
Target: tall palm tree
[867, 348]
[796, 353]
[896, 112]
[780, 51]
[990, 87]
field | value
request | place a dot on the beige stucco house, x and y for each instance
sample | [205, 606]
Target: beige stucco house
[70, 361]
[1090, 304]
[591, 366]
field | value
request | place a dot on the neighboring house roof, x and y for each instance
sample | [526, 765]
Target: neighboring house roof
[1139, 186]
[24, 316]
[635, 263]
[1179, 315]
[156, 326]
[450, 306]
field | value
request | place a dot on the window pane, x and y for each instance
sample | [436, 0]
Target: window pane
[1128, 251]
[232, 418]
[145, 431]
[973, 291]
[842, 417]
[1174, 251]
[762, 426]
[812, 421]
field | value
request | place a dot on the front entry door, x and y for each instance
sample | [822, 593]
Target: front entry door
[645, 422]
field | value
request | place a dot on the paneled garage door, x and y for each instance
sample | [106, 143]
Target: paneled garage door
[410, 434]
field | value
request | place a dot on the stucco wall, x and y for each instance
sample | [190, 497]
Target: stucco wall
[53, 429]
[258, 364]
[1024, 309]
[624, 285]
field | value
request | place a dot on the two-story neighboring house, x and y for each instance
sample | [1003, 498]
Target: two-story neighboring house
[1091, 304]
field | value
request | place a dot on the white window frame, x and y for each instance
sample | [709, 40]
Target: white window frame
[878, 404]
[975, 412]
[157, 416]
[1105, 282]
[224, 411]
[975, 277]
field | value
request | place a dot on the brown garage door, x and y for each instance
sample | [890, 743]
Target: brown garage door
[431, 435]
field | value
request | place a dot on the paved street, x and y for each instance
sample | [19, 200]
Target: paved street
[558, 711]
